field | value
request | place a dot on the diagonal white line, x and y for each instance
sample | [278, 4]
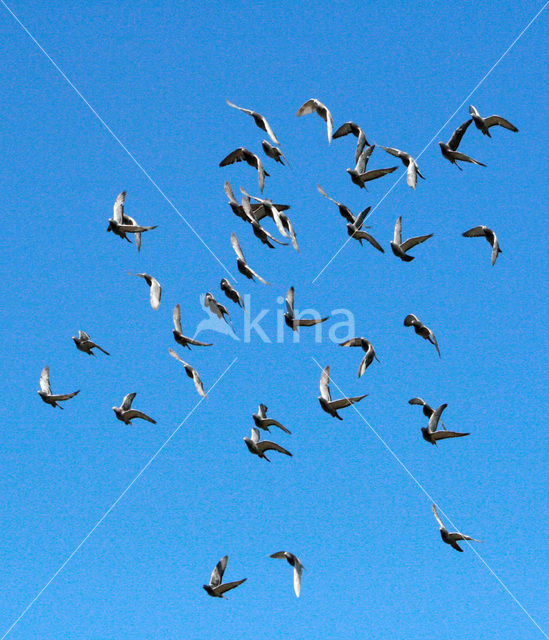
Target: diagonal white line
[430, 497]
[113, 505]
[118, 140]
[479, 83]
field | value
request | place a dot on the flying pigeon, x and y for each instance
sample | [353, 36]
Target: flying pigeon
[290, 319]
[178, 336]
[351, 127]
[258, 447]
[84, 343]
[483, 124]
[126, 414]
[427, 409]
[412, 321]
[369, 352]
[262, 422]
[241, 263]
[325, 398]
[155, 288]
[260, 121]
[45, 390]
[492, 239]
[273, 152]
[192, 373]
[231, 292]
[121, 223]
[430, 433]
[243, 155]
[296, 564]
[450, 152]
[400, 248]
[354, 230]
[343, 209]
[280, 218]
[360, 176]
[218, 309]
[453, 537]
[407, 160]
[259, 232]
[216, 589]
[313, 105]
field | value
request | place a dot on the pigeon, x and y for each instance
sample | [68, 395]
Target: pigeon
[258, 210]
[451, 537]
[192, 373]
[484, 124]
[231, 293]
[450, 152]
[343, 209]
[241, 263]
[290, 319]
[407, 160]
[243, 155]
[281, 220]
[84, 343]
[360, 176]
[178, 336]
[427, 409]
[296, 564]
[351, 127]
[412, 321]
[400, 248]
[259, 232]
[478, 232]
[260, 121]
[156, 289]
[126, 414]
[216, 589]
[45, 390]
[258, 447]
[430, 433]
[262, 422]
[354, 230]
[369, 352]
[313, 105]
[121, 224]
[216, 307]
[325, 398]
[274, 152]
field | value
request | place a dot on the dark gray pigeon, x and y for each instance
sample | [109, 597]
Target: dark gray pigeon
[273, 152]
[231, 293]
[260, 121]
[192, 373]
[241, 263]
[45, 391]
[216, 588]
[451, 538]
[243, 155]
[484, 124]
[450, 152]
[412, 321]
[482, 231]
[369, 352]
[84, 343]
[262, 422]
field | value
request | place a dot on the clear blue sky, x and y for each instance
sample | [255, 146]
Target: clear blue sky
[159, 74]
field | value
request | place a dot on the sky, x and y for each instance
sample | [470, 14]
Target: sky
[354, 501]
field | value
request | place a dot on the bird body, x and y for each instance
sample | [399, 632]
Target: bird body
[273, 152]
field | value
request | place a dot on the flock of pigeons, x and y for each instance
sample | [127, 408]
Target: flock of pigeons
[253, 210]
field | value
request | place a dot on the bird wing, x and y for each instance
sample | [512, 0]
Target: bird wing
[176, 356]
[127, 402]
[419, 401]
[250, 113]
[156, 293]
[363, 158]
[437, 517]
[435, 417]
[442, 435]
[412, 242]
[293, 237]
[177, 318]
[376, 173]
[454, 141]
[397, 234]
[362, 235]
[269, 131]
[45, 381]
[411, 174]
[268, 422]
[118, 209]
[473, 111]
[363, 366]
[298, 570]
[64, 396]
[280, 555]
[83, 335]
[461, 156]
[198, 384]
[353, 342]
[396, 152]
[325, 384]
[475, 232]
[235, 156]
[433, 341]
[219, 570]
[229, 192]
[133, 413]
[236, 247]
[498, 120]
[223, 588]
[290, 296]
[267, 445]
[346, 128]
[359, 221]
[255, 435]
[346, 402]
[308, 107]
[321, 190]
[309, 322]
[197, 343]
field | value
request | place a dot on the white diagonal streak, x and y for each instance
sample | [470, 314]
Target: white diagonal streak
[430, 497]
[113, 505]
[118, 140]
[479, 83]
